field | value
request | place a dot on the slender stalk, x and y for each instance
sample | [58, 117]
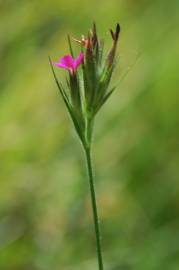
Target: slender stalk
[94, 207]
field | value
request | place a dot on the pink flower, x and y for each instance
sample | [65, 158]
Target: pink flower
[67, 62]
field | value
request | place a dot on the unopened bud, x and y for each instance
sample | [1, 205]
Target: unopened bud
[111, 54]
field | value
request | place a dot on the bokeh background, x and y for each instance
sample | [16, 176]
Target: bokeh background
[45, 212]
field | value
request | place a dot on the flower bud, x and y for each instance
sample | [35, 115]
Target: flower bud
[111, 54]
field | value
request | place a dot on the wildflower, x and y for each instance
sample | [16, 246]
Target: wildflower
[87, 88]
[67, 62]
[86, 91]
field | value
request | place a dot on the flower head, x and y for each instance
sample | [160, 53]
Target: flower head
[86, 91]
[67, 62]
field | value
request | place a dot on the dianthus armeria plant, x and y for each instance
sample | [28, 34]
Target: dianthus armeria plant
[87, 89]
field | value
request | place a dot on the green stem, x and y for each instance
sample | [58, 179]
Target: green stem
[94, 207]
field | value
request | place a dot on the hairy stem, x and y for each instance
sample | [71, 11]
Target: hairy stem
[94, 207]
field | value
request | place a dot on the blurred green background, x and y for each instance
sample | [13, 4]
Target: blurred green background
[45, 212]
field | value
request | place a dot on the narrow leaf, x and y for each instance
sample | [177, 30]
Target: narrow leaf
[70, 46]
[105, 99]
[60, 88]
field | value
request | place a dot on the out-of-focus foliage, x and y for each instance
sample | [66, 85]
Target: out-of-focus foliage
[45, 212]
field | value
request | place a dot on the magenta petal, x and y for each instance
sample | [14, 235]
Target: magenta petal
[59, 65]
[67, 61]
[55, 64]
[63, 66]
[78, 60]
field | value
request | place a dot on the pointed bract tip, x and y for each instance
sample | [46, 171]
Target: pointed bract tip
[112, 34]
[115, 35]
[118, 29]
[94, 27]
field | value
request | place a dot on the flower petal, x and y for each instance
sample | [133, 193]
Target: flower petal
[60, 65]
[68, 61]
[78, 60]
